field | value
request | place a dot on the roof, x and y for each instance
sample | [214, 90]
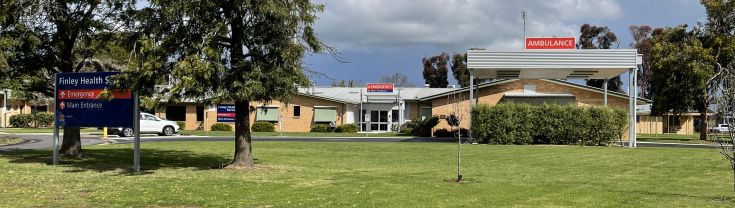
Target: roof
[552, 64]
[351, 95]
[536, 95]
[562, 82]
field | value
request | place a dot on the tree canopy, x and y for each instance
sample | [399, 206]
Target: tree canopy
[643, 41]
[681, 67]
[397, 79]
[435, 70]
[223, 51]
[599, 37]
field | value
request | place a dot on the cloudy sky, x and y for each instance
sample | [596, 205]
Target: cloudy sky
[378, 37]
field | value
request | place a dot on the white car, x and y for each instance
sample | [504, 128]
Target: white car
[720, 128]
[149, 124]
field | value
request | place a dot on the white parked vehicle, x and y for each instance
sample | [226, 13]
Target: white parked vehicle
[149, 124]
[720, 128]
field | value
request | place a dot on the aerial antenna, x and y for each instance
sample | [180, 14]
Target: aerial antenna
[523, 16]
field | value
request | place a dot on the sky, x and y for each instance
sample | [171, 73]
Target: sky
[379, 37]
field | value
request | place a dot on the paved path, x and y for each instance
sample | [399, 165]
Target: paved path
[44, 141]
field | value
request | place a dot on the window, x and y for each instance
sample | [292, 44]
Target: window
[325, 114]
[425, 113]
[529, 88]
[176, 113]
[296, 110]
[266, 114]
[200, 113]
[394, 116]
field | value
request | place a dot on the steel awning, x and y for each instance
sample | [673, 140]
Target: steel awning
[551, 64]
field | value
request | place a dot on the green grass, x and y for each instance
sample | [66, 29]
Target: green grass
[293, 134]
[4, 140]
[673, 138]
[43, 130]
[312, 174]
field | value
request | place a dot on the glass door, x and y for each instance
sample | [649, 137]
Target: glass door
[378, 120]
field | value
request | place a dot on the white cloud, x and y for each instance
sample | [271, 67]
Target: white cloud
[453, 24]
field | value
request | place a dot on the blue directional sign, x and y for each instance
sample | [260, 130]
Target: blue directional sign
[88, 100]
[225, 113]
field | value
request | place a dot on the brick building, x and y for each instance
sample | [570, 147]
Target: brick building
[385, 111]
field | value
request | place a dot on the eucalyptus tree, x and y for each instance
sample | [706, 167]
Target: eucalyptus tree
[39, 38]
[246, 52]
[681, 66]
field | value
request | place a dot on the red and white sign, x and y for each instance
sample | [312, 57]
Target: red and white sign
[550, 43]
[91, 94]
[380, 87]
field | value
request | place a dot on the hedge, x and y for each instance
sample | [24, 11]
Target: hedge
[221, 127]
[347, 128]
[181, 124]
[321, 128]
[261, 126]
[44, 119]
[21, 120]
[514, 123]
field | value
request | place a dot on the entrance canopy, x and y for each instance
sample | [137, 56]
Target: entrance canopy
[552, 64]
[559, 64]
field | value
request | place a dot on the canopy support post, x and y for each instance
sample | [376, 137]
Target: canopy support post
[469, 115]
[604, 86]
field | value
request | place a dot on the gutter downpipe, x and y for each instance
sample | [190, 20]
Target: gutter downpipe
[604, 86]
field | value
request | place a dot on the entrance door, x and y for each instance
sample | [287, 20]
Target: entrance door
[378, 120]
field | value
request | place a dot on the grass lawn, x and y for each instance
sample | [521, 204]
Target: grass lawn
[673, 138]
[4, 140]
[43, 130]
[295, 134]
[311, 174]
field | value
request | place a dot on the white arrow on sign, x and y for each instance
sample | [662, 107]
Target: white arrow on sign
[63, 94]
[62, 105]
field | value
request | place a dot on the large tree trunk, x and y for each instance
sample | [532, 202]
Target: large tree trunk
[71, 145]
[243, 148]
[703, 117]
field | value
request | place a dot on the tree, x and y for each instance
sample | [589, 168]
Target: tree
[398, 79]
[435, 70]
[42, 38]
[599, 37]
[681, 67]
[219, 51]
[343, 83]
[723, 82]
[718, 36]
[459, 69]
[642, 41]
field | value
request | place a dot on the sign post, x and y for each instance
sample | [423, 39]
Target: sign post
[136, 128]
[280, 124]
[90, 100]
[56, 126]
[367, 123]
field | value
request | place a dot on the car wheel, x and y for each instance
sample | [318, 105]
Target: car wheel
[127, 132]
[168, 131]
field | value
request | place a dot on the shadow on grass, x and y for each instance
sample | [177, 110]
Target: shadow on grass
[103, 160]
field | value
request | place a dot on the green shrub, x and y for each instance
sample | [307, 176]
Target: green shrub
[181, 124]
[512, 123]
[21, 120]
[410, 124]
[261, 126]
[443, 133]
[221, 127]
[347, 128]
[321, 128]
[406, 130]
[424, 127]
[44, 119]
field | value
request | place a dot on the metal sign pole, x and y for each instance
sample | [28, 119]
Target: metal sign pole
[136, 129]
[56, 125]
